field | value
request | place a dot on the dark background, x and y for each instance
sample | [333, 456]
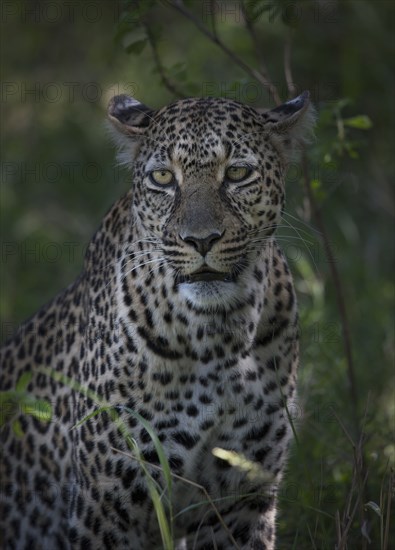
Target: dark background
[61, 63]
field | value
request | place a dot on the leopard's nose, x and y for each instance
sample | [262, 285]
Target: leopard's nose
[202, 245]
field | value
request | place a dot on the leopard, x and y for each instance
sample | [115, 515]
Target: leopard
[170, 363]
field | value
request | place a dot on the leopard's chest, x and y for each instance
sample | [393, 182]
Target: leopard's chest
[217, 405]
[192, 408]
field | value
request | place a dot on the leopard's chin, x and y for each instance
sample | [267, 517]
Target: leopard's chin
[209, 276]
[210, 293]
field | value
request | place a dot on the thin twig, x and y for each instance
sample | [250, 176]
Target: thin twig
[213, 18]
[338, 528]
[159, 65]
[359, 481]
[259, 55]
[179, 6]
[287, 65]
[360, 470]
[388, 511]
[350, 439]
[313, 545]
[338, 287]
[189, 482]
[385, 506]
[328, 251]
[358, 501]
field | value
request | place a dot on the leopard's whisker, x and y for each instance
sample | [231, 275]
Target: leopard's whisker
[142, 265]
[124, 275]
[308, 225]
[283, 238]
[287, 223]
[132, 256]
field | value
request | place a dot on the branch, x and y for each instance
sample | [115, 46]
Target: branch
[259, 55]
[256, 75]
[327, 247]
[189, 482]
[337, 284]
[159, 65]
[358, 485]
[213, 19]
[265, 81]
[287, 66]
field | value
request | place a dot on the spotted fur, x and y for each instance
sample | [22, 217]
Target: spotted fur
[185, 313]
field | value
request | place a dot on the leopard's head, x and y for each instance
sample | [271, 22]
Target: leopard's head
[208, 186]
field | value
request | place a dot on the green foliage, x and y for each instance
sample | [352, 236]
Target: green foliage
[20, 401]
[362, 122]
[252, 470]
[255, 9]
[340, 51]
[161, 498]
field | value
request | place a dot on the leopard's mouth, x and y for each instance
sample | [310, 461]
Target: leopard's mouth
[206, 274]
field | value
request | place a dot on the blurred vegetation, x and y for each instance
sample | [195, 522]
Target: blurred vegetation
[62, 63]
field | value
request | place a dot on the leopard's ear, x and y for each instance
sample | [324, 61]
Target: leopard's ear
[129, 120]
[291, 124]
[129, 116]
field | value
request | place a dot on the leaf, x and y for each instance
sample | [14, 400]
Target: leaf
[136, 47]
[256, 8]
[157, 444]
[373, 506]
[364, 531]
[8, 407]
[362, 122]
[161, 516]
[352, 152]
[17, 428]
[23, 381]
[133, 18]
[40, 409]
[91, 415]
[252, 469]
[178, 71]
[316, 184]
[8, 397]
[344, 102]
[290, 16]
[14, 402]
[125, 27]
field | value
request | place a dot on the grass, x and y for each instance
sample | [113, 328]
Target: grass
[344, 524]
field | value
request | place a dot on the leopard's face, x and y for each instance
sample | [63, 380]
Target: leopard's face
[208, 189]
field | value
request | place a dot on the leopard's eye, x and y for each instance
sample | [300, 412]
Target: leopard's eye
[162, 177]
[237, 173]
